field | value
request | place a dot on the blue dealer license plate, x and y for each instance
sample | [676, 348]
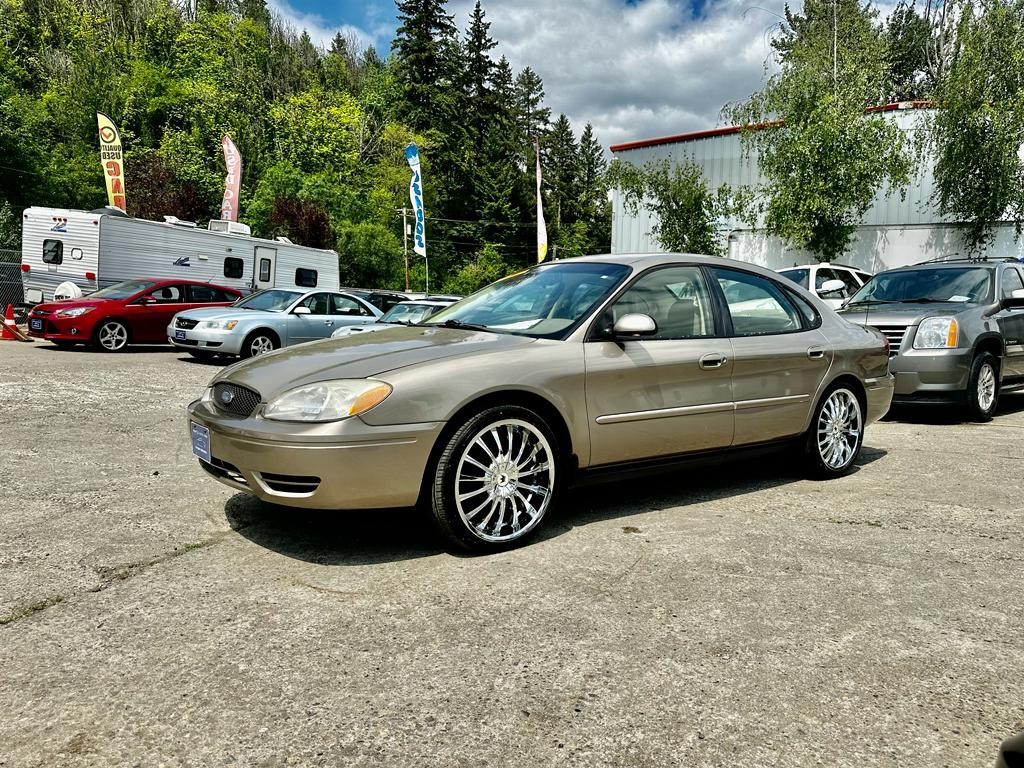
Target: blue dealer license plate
[179, 334]
[201, 442]
[35, 325]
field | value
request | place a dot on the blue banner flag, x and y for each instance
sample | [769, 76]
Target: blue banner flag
[419, 240]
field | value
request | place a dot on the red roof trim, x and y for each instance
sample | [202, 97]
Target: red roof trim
[729, 130]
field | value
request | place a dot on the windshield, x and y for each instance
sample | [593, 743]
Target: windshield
[122, 290]
[547, 301]
[408, 313]
[274, 300]
[798, 276]
[965, 285]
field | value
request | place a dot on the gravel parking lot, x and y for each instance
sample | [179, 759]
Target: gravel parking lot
[737, 616]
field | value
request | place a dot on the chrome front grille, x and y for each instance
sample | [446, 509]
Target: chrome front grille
[236, 400]
[186, 323]
[895, 335]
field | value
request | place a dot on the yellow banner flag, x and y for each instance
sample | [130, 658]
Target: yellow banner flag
[113, 161]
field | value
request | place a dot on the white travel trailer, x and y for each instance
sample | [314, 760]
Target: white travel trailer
[70, 253]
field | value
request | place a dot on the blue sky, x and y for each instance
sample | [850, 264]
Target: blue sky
[633, 68]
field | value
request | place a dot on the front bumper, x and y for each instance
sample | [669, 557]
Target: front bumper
[930, 374]
[56, 328]
[337, 465]
[206, 339]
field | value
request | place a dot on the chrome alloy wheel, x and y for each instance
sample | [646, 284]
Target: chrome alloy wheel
[260, 344]
[986, 387]
[839, 429]
[504, 480]
[112, 336]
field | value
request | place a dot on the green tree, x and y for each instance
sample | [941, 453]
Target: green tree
[906, 39]
[686, 211]
[978, 127]
[823, 158]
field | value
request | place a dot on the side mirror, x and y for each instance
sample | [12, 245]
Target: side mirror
[302, 311]
[1016, 299]
[635, 325]
[831, 286]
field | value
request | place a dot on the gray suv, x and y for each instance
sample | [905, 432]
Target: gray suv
[955, 330]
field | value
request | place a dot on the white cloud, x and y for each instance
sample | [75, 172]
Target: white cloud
[322, 32]
[634, 71]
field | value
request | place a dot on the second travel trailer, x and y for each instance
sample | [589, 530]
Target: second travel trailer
[68, 253]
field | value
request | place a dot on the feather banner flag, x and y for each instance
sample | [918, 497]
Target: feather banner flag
[233, 180]
[542, 230]
[112, 159]
[419, 240]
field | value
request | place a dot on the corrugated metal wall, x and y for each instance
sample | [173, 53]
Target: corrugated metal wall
[722, 160]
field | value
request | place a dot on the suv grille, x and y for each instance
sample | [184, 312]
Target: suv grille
[895, 334]
[186, 323]
[236, 400]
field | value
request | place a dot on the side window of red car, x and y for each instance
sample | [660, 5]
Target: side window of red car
[169, 294]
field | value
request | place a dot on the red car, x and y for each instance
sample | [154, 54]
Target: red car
[132, 312]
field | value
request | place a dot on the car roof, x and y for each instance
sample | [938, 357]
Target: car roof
[952, 264]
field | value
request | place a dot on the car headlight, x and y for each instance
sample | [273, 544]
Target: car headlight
[73, 312]
[937, 333]
[226, 325]
[327, 400]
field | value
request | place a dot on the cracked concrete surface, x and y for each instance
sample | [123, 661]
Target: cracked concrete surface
[737, 615]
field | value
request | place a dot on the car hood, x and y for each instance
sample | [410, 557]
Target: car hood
[363, 355]
[226, 313]
[901, 314]
[53, 306]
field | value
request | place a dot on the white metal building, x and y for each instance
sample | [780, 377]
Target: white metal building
[897, 229]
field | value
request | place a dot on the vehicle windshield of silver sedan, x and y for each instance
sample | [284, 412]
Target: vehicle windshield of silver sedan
[273, 300]
[547, 301]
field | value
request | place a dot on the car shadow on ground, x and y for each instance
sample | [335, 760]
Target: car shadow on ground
[364, 537]
[132, 349]
[941, 414]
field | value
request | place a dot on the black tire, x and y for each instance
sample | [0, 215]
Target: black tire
[111, 336]
[983, 387]
[531, 460]
[258, 342]
[838, 420]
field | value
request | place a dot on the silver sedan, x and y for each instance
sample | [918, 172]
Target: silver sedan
[267, 320]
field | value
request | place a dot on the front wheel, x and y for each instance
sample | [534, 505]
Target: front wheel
[836, 433]
[259, 343]
[112, 336]
[983, 387]
[496, 479]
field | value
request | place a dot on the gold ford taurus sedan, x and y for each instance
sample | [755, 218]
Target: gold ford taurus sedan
[485, 412]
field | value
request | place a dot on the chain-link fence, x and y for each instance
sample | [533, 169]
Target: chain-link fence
[12, 290]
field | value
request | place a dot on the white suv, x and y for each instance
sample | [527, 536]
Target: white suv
[814, 276]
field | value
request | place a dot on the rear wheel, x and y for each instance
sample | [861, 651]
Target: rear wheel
[983, 387]
[258, 343]
[496, 479]
[836, 433]
[112, 336]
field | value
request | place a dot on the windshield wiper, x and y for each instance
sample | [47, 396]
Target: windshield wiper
[927, 300]
[462, 325]
[871, 301]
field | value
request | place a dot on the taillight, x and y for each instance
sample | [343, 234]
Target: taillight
[90, 275]
[26, 268]
[885, 342]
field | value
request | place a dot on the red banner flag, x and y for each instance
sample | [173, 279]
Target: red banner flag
[232, 182]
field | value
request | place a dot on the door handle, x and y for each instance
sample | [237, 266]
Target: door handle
[328, 322]
[815, 353]
[712, 360]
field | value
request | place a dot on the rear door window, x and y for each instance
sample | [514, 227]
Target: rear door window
[824, 275]
[343, 305]
[207, 294]
[757, 306]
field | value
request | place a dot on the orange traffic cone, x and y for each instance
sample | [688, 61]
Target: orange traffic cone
[8, 334]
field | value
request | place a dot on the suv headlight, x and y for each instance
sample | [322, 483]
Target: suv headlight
[327, 400]
[74, 312]
[227, 325]
[937, 333]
